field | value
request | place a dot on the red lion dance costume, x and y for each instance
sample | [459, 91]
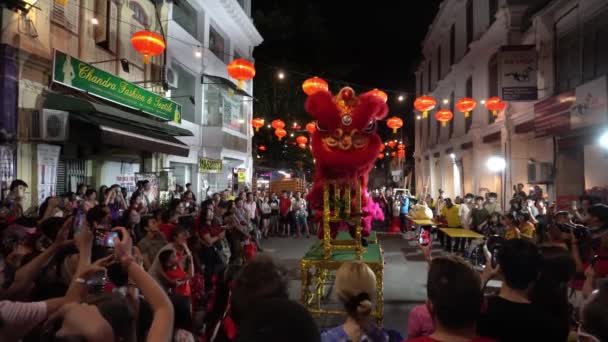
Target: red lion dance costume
[345, 146]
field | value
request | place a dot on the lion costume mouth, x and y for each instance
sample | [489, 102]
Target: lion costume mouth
[346, 141]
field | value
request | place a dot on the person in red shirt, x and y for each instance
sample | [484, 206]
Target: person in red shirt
[284, 209]
[454, 299]
[174, 274]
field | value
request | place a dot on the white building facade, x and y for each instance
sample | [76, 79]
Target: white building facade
[203, 37]
[462, 53]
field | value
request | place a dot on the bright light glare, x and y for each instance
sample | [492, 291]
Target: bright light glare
[281, 75]
[400, 98]
[418, 117]
[452, 155]
[604, 140]
[446, 101]
[94, 21]
[483, 101]
[496, 164]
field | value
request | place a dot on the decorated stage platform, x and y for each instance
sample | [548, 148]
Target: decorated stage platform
[317, 272]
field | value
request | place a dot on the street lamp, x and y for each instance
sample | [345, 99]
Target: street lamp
[400, 98]
[453, 156]
[496, 164]
[281, 75]
[604, 140]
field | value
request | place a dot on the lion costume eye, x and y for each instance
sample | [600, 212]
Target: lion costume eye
[370, 128]
[319, 128]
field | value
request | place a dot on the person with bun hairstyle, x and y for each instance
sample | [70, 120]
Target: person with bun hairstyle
[355, 287]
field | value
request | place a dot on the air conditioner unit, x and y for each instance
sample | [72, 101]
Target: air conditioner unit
[49, 125]
[171, 77]
[540, 173]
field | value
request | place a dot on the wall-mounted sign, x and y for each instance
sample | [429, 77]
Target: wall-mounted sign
[242, 175]
[591, 107]
[518, 67]
[210, 165]
[74, 73]
[552, 115]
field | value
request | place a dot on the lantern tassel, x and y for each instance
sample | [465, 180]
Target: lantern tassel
[394, 130]
[495, 113]
[241, 84]
[443, 123]
[146, 59]
[425, 114]
[467, 114]
[279, 138]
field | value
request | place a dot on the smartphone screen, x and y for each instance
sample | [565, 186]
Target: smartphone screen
[105, 238]
[425, 236]
[78, 221]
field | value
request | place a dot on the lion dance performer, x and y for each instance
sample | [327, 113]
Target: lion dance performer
[345, 146]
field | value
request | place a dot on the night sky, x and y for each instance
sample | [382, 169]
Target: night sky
[344, 40]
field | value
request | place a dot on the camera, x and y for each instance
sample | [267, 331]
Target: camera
[104, 238]
[580, 232]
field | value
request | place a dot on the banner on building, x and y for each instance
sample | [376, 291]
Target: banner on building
[206, 165]
[241, 175]
[518, 69]
[591, 106]
[74, 73]
[552, 115]
[48, 158]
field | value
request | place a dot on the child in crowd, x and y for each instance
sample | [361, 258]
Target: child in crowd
[173, 273]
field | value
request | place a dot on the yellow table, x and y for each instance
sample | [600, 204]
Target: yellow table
[461, 233]
[424, 222]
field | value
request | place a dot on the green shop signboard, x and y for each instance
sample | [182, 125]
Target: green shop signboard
[74, 73]
[209, 165]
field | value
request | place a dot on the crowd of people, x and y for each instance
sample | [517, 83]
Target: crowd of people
[99, 266]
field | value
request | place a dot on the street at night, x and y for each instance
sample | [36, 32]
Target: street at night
[304, 171]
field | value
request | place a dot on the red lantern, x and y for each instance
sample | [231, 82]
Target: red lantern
[302, 140]
[148, 43]
[379, 93]
[382, 147]
[444, 116]
[401, 154]
[401, 147]
[262, 148]
[257, 123]
[393, 154]
[495, 105]
[278, 124]
[311, 127]
[395, 123]
[242, 70]
[280, 133]
[392, 144]
[425, 104]
[313, 85]
[381, 156]
[466, 105]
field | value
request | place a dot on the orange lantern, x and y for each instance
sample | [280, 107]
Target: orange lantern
[494, 104]
[257, 123]
[148, 43]
[379, 93]
[278, 124]
[393, 154]
[302, 140]
[392, 144]
[382, 147]
[311, 127]
[381, 156]
[466, 105]
[395, 123]
[313, 85]
[262, 148]
[401, 147]
[444, 116]
[401, 154]
[241, 70]
[425, 104]
[280, 133]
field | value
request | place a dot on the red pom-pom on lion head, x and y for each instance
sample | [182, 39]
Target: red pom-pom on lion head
[345, 140]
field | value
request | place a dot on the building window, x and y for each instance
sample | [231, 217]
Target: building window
[567, 52]
[595, 48]
[468, 93]
[216, 43]
[430, 76]
[492, 83]
[470, 23]
[223, 109]
[452, 45]
[185, 90]
[139, 14]
[439, 74]
[185, 16]
[493, 10]
[451, 123]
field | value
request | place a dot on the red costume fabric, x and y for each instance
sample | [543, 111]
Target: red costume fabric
[345, 146]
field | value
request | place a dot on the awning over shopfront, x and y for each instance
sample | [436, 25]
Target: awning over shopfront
[121, 128]
[210, 79]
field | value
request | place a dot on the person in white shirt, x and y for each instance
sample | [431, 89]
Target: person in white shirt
[266, 210]
[465, 211]
[300, 210]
